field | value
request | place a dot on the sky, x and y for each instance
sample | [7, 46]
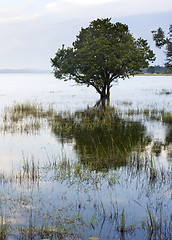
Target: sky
[31, 31]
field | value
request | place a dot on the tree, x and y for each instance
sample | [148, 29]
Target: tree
[161, 40]
[102, 53]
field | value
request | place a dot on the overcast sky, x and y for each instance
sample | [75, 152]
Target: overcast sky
[32, 30]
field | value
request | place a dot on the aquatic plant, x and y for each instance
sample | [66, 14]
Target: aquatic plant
[101, 137]
[111, 154]
[25, 118]
[167, 117]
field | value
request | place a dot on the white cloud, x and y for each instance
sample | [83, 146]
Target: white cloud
[39, 27]
[91, 2]
[81, 9]
[69, 9]
[54, 5]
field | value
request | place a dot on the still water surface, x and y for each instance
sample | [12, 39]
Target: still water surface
[96, 205]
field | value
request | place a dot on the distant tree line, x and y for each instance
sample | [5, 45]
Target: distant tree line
[157, 69]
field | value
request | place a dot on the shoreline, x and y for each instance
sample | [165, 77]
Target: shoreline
[154, 74]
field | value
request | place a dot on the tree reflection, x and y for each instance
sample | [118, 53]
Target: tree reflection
[159, 146]
[169, 136]
[102, 139]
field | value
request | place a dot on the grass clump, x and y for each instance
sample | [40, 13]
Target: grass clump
[25, 118]
[156, 226]
[167, 117]
[165, 92]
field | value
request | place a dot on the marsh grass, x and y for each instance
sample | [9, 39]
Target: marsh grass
[77, 173]
[55, 226]
[25, 118]
[30, 117]
[29, 170]
[101, 137]
[157, 226]
[165, 92]
[58, 225]
[111, 152]
[167, 117]
[149, 114]
[4, 228]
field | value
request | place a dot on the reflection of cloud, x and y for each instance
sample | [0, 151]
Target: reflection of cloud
[6, 163]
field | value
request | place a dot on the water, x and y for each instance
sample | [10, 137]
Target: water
[68, 96]
[92, 206]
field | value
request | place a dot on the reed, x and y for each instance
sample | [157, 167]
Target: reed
[111, 154]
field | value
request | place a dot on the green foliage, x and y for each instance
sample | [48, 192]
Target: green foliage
[159, 37]
[102, 53]
[161, 40]
[167, 117]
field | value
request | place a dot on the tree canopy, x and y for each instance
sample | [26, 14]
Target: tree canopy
[102, 53]
[161, 40]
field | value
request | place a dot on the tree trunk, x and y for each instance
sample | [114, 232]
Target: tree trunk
[105, 94]
[108, 92]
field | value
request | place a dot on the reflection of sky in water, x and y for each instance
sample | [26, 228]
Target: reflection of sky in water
[129, 191]
[141, 91]
[41, 148]
[144, 91]
[68, 96]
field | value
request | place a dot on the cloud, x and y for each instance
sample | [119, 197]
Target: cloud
[32, 30]
[91, 2]
[79, 9]
[54, 5]
[91, 9]
[74, 5]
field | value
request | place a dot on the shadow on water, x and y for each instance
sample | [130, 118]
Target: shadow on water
[102, 139]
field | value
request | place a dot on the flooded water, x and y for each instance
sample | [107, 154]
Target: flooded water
[113, 183]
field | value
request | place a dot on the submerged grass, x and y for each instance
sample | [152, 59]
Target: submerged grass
[110, 153]
[149, 114]
[25, 118]
[101, 137]
[57, 224]
[167, 117]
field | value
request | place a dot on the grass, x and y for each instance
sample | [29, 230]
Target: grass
[30, 117]
[58, 224]
[167, 117]
[25, 118]
[157, 228]
[101, 137]
[111, 155]
[149, 114]
[166, 92]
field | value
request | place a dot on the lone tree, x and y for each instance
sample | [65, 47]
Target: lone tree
[102, 53]
[161, 40]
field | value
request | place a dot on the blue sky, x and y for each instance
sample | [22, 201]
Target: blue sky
[32, 30]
